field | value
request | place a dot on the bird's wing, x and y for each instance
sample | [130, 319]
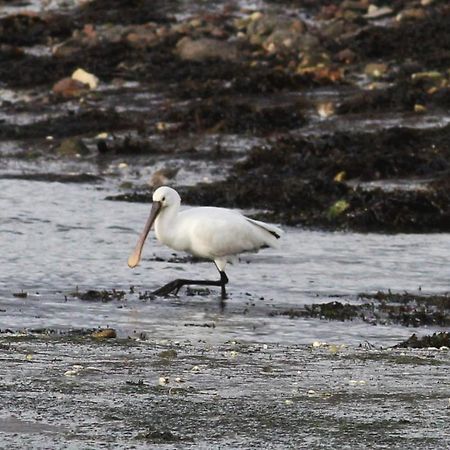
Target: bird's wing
[218, 232]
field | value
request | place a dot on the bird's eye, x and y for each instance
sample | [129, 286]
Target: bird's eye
[164, 199]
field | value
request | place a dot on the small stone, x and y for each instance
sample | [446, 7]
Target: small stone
[69, 88]
[376, 13]
[375, 70]
[420, 109]
[142, 36]
[168, 354]
[325, 109]
[205, 48]
[346, 56]
[337, 209]
[105, 333]
[411, 14]
[162, 381]
[72, 147]
[86, 78]
[162, 176]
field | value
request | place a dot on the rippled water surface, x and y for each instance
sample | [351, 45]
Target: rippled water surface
[57, 238]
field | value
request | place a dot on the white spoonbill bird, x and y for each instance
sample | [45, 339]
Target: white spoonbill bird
[212, 233]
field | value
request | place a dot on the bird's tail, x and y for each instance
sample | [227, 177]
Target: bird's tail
[274, 232]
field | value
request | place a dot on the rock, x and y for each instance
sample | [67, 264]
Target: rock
[337, 208]
[72, 147]
[334, 29]
[374, 12]
[355, 5]
[429, 79]
[325, 109]
[260, 27]
[66, 49]
[69, 88]
[105, 333]
[375, 70]
[420, 109]
[142, 36]
[411, 14]
[162, 176]
[205, 48]
[86, 78]
[346, 56]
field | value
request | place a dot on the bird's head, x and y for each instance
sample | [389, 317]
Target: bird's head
[166, 196]
[163, 197]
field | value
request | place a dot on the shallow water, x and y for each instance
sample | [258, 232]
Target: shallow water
[57, 238]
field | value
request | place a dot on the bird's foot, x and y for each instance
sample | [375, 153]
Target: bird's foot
[169, 288]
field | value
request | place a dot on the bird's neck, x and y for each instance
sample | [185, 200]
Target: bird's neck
[165, 224]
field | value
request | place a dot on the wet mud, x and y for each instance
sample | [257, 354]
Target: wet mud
[320, 394]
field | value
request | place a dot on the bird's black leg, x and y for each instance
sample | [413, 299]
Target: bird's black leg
[176, 285]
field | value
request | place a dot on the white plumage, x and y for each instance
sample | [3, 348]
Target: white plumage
[218, 234]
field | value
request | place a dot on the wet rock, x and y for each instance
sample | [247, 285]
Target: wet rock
[290, 39]
[277, 34]
[99, 296]
[168, 354]
[337, 208]
[436, 340]
[375, 12]
[20, 294]
[69, 88]
[375, 70]
[426, 41]
[143, 36]
[233, 116]
[205, 48]
[32, 29]
[85, 78]
[72, 147]
[105, 333]
[357, 5]
[159, 437]
[411, 14]
[346, 56]
[163, 176]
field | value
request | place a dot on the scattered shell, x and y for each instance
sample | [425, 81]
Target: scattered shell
[162, 381]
